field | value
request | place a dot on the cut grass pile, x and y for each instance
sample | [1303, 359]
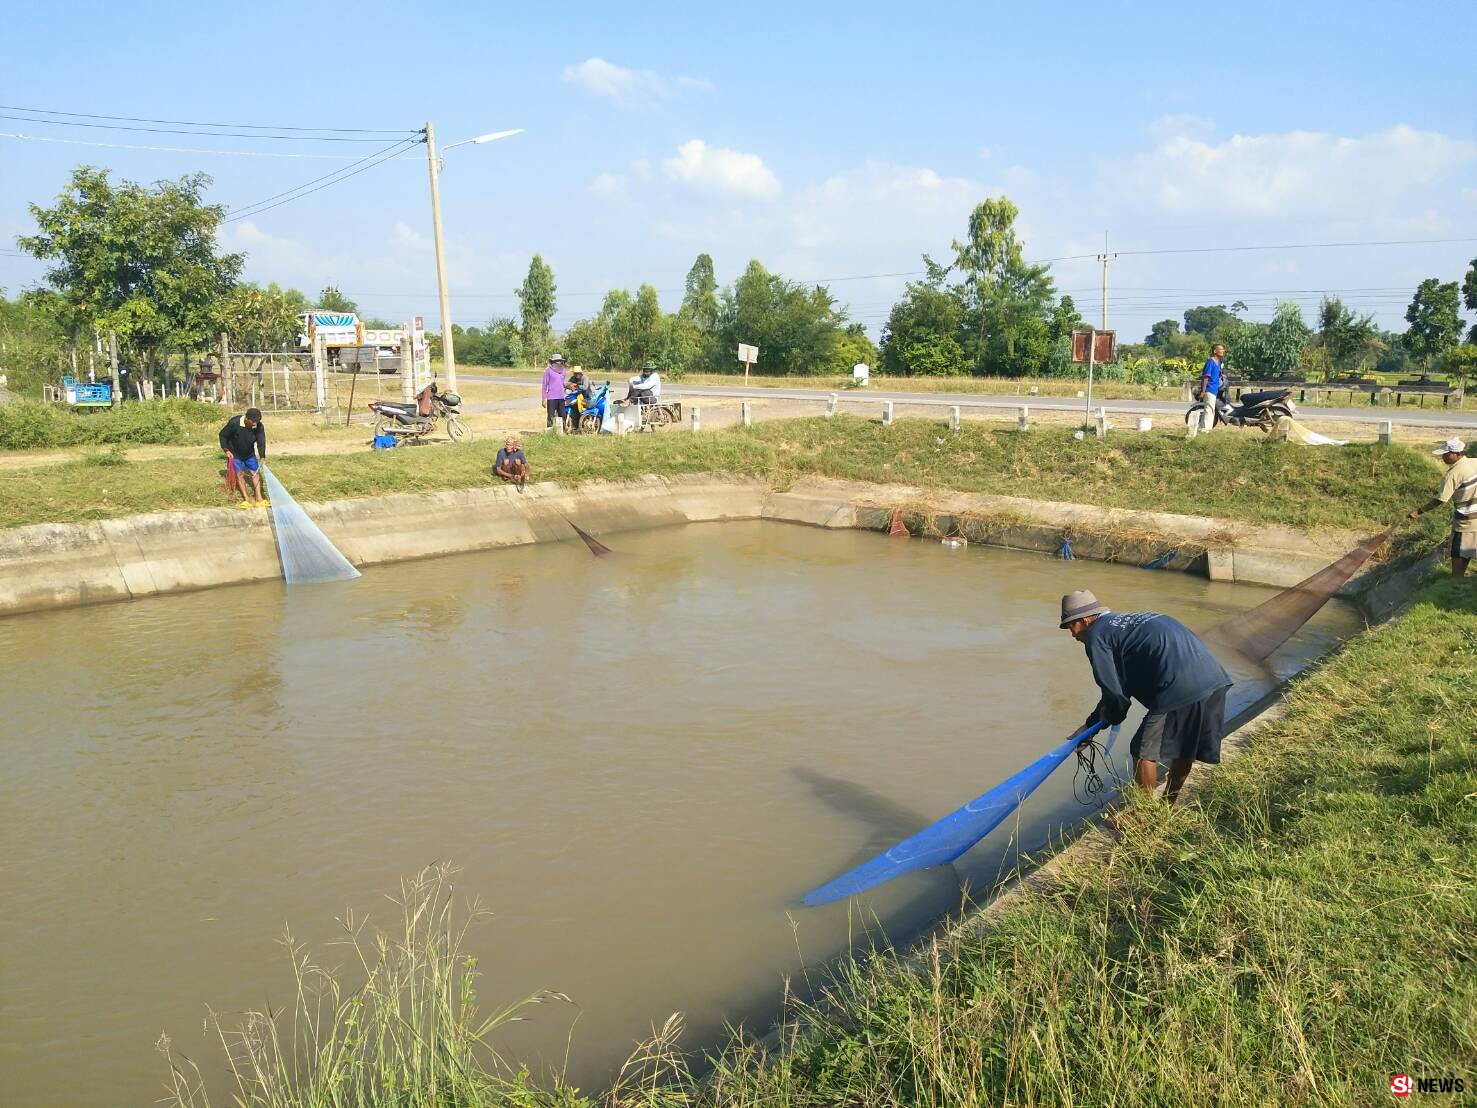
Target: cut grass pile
[1225, 475]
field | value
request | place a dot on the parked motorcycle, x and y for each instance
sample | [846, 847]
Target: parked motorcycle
[1260, 409]
[415, 419]
[586, 416]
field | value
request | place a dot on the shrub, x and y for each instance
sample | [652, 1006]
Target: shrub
[29, 425]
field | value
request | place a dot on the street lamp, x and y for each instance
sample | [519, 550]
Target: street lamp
[448, 351]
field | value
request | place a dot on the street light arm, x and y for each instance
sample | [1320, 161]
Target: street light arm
[493, 137]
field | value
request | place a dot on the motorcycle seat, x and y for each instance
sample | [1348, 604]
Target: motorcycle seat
[1253, 398]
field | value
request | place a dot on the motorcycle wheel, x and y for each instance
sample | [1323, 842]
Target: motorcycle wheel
[457, 430]
[590, 423]
[382, 426]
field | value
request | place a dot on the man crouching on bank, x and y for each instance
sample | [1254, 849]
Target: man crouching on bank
[1161, 663]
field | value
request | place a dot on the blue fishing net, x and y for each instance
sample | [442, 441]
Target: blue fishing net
[307, 555]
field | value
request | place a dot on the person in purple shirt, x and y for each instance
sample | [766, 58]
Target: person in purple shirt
[554, 391]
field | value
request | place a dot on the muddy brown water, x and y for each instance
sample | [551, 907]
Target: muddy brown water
[640, 765]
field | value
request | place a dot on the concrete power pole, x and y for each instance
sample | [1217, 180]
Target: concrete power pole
[448, 351]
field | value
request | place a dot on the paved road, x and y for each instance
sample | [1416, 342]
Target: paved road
[1406, 416]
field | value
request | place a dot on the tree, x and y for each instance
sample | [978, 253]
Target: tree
[1348, 338]
[1212, 322]
[925, 314]
[1469, 297]
[536, 306]
[1065, 319]
[1273, 349]
[1005, 298]
[700, 299]
[259, 318]
[793, 326]
[331, 300]
[848, 347]
[1163, 333]
[1435, 325]
[141, 261]
[637, 328]
[1460, 363]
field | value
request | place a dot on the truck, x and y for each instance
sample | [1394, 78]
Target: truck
[337, 329]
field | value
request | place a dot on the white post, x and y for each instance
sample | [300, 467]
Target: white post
[1101, 422]
[1091, 350]
[1386, 428]
[320, 373]
[1023, 418]
[954, 419]
[887, 413]
[744, 414]
[696, 420]
[448, 346]
[831, 406]
[407, 362]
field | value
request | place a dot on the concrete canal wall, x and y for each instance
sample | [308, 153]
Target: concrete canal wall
[60, 565]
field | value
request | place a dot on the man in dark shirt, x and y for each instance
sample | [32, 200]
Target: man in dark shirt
[1161, 663]
[511, 464]
[244, 440]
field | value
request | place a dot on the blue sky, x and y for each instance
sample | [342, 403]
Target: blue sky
[827, 140]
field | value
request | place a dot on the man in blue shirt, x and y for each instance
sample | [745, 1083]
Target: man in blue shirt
[1210, 385]
[511, 464]
[1161, 663]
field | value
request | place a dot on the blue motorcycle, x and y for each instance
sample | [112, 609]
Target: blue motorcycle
[582, 415]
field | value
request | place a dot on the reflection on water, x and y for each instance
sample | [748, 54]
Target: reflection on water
[640, 763]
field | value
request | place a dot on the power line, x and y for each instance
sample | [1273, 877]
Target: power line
[339, 175]
[385, 131]
[177, 131]
[1243, 249]
[179, 149]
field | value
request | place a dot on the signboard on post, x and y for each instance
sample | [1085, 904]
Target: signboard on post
[748, 355]
[1104, 347]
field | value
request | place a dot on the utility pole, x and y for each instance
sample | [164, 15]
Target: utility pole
[448, 350]
[1104, 257]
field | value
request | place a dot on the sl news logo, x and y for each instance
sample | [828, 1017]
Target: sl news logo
[1403, 1085]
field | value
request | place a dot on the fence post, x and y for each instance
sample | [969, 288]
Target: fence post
[954, 419]
[1386, 427]
[113, 367]
[228, 392]
[320, 374]
[1023, 418]
[887, 413]
[697, 422]
[1101, 422]
[744, 414]
[831, 406]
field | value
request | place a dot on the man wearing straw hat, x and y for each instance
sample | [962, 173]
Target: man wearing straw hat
[1459, 489]
[1161, 663]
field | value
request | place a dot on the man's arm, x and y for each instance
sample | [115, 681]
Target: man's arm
[1114, 705]
[224, 429]
[261, 441]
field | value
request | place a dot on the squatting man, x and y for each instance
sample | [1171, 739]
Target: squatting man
[1161, 663]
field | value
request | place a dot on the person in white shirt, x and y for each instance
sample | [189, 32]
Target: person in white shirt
[646, 387]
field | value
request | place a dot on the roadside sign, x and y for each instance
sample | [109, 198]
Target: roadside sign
[748, 355]
[1104, 347]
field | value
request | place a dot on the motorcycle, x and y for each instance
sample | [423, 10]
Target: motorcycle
[415, 419]
[586, 416]
[1260, 409]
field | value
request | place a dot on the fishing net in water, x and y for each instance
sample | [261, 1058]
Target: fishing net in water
[307, 555]
[595, 546]
[1255, 634]
[898, 529]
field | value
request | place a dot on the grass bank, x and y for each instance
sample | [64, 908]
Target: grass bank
[29, 425]
[1303, 923]
[1225, 475]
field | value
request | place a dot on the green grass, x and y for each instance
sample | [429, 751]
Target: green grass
[1303, 927]
[28, 425]
[1225, 475]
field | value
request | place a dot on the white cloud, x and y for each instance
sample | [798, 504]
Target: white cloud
[984, 151]
[405, 237]
[608, 184]
[879, 208]
[1293, 174]
[720, 170]
[628, 87]
[1181, 126]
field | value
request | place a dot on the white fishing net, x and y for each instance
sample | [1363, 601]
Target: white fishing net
[308, 557]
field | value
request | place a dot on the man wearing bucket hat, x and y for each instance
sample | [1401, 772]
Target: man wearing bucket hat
[1459, 489]
[553, 392]
[1161, 663]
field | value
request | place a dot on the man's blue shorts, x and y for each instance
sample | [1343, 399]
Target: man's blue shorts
[251, 464]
